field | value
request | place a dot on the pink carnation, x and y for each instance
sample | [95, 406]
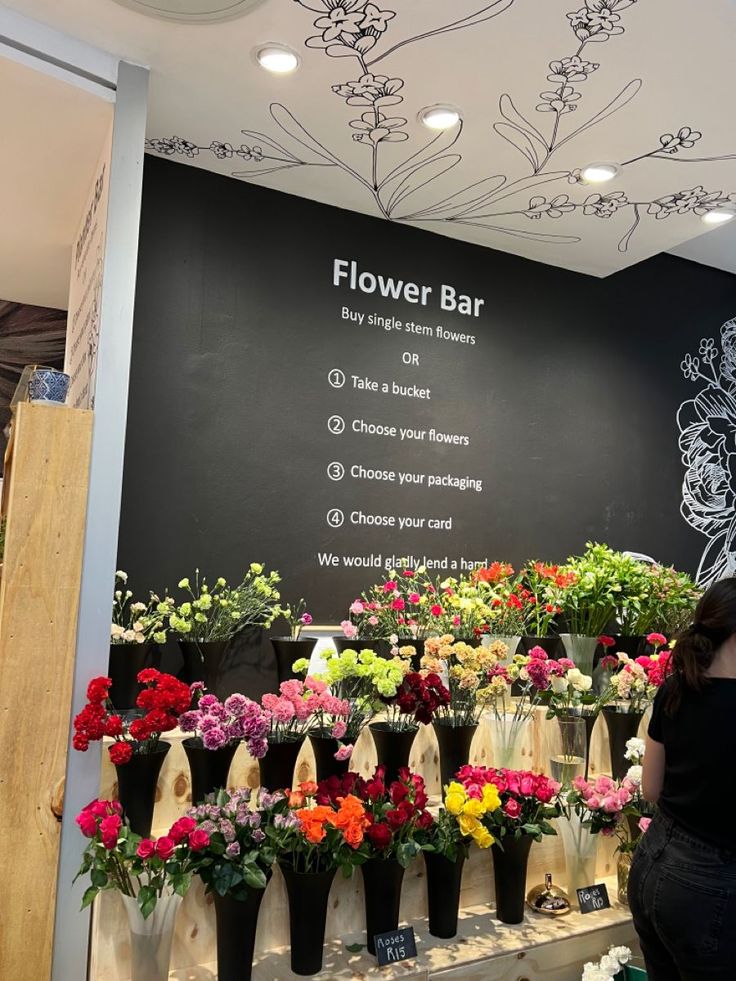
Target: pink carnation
[356, 607]
[338, 730]
[344, 753]
[349, 629]
[644, 823]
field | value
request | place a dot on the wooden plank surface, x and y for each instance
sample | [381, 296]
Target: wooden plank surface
[46, 506]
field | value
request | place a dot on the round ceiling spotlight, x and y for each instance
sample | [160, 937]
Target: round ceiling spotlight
[192, 11]
[599, 173]
[440, 117]
[277, 59]
[718, 216]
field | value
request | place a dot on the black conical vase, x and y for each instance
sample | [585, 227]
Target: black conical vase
[208, 767]
[552, 646]
[454, 743]
[416, 659]
[444, 879]
[509, 877]
[137, 780]
[622, 726]
[237, 922]
[124, 663]
[392, 747]
[380, 647]
[324, 748]
[308, 894]
[202, 662]
[382, 879]
[277, 766]
[287, 651]
[631, 644]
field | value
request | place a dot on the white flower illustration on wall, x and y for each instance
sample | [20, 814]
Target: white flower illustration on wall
[707, 425]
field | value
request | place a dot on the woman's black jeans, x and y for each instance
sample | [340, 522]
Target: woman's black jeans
[682, 894]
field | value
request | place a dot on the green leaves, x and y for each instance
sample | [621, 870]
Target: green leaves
[147, 897]
[89, 896]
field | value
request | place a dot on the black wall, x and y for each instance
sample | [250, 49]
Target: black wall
[568, 396]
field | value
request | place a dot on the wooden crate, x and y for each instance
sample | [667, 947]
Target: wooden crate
[45, 501]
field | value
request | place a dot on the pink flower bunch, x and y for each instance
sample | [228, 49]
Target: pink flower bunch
[528, 800]
[602, 801]
[302, 706]
[103, 817]
[537, 668]
[217, 724]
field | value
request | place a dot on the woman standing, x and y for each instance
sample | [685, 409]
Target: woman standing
[682, 888]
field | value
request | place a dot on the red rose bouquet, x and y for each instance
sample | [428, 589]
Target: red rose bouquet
[528, 801]
[162, 700]
[144, 869]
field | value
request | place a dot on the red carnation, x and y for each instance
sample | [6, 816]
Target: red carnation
[120, 753]
[113, 726]
[98, 689]
[148, 675]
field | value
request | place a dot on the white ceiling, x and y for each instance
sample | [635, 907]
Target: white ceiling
[662, 66]
[52, 133]
[717, 248]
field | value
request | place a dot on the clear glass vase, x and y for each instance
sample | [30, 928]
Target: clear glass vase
[623, 868]
[511, 642]
[508, 737]
[150, 939]
[581, 650]
[567, 748]
[581, 851]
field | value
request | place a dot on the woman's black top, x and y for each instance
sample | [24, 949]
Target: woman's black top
[699, 790]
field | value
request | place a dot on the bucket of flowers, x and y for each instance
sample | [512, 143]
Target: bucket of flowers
[236, 866]
[137, 750]
[313, 839]
[465, 669]
[529, 801]
[150, 875]
[216, 729]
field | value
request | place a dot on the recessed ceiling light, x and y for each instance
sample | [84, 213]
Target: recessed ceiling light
[192, 11]
[718, 216]
[277, 58]
[440, 117]
[599, 173]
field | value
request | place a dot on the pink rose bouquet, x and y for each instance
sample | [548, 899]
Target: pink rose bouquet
[215, 724]
[529, 801]
[142, 868]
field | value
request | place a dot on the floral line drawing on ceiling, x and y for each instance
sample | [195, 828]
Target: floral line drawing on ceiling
[352, 32]
[707, 425]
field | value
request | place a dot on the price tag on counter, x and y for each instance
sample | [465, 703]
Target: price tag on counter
[395, 946]
[593, 898]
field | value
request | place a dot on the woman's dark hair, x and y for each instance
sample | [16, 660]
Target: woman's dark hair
[693, 654]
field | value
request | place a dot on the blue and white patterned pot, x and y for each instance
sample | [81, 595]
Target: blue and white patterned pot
[48, 385]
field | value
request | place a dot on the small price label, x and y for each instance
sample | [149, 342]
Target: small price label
[395, 946]
[593, 898]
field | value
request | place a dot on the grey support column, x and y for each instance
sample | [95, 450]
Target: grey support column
[71, 934]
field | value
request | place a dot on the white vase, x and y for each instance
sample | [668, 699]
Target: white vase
[581, 852]
[508, 736]
[150, 939]
[581, 650]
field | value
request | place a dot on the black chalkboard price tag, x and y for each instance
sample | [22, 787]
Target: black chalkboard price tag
[593, 898]
[395, 946]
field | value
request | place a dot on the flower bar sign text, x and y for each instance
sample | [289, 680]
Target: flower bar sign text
[346, 273]
[394, 946]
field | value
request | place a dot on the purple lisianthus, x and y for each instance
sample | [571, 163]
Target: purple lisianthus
[259, 836]
[233, 850]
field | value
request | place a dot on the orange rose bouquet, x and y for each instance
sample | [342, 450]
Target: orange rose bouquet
[318, 837]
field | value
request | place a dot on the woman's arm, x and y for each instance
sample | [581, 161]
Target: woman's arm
[653, 772]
